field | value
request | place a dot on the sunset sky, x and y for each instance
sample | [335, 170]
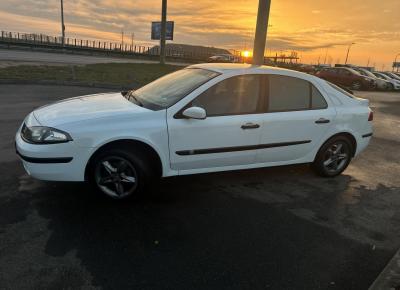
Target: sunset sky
[310, 27]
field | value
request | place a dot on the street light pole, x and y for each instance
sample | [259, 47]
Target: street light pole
[348, 50]
[62, 24]
[163, 31]
[261, 31]
[395, 61]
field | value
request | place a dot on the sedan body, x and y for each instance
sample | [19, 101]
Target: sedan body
[205, 118]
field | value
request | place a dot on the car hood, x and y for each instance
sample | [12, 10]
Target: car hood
[85, 107]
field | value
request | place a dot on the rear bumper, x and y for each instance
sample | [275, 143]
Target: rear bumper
[362, 142]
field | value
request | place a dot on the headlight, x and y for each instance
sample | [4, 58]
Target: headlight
[44, 135]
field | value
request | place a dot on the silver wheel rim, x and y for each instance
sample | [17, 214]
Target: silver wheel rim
[336, 157]
[356, 86]
[116, 177]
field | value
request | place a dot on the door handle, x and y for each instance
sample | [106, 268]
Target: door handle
[322, 121]
[250, 126]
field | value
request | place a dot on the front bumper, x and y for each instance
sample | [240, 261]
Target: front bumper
[55, 162]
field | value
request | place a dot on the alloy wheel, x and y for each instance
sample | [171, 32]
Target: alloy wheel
[356, 86]
[116, 177]
[336, 157]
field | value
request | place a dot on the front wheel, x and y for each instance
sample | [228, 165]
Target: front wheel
[333, 157]
[119, 173]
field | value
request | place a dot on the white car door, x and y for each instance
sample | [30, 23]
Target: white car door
[297, 118]
[230, 133]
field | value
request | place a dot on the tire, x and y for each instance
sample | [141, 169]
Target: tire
[333, 157]
[120, 173]
[356, 86]
[390, 87]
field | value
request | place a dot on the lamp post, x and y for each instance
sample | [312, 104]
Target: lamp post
[395, 61]
[62, 24]
[261, 31]
[348, 50]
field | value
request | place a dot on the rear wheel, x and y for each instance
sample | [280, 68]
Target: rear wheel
[390, 87]
[119, 173]
[333, 157]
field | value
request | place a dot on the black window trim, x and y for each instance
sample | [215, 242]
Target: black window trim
[263, 101]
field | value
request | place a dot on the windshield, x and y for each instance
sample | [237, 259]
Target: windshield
[393, 76]
[169, 89]
[366, 73]
[353, 71]
[382, 76]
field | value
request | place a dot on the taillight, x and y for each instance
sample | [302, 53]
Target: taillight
[371, 116]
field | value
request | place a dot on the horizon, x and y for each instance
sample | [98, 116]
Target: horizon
[316, 30]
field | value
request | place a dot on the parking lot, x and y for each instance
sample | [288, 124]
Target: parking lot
[276, 228]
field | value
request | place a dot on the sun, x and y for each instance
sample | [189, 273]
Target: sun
[246, 53]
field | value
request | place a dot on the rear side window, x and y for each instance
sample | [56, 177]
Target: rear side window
[343, 91]
[292, 94]
[317, 100]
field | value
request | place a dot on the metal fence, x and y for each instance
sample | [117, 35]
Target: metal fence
[103, 47]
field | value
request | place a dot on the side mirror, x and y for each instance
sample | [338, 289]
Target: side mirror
[195, 113]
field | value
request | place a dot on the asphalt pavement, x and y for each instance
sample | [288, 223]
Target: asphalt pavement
[276, 228]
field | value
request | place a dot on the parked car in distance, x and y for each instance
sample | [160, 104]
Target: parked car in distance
[392, 75]
[204, 118]
[394, 84]
[347, 77]
[222, 58]
[381, 84]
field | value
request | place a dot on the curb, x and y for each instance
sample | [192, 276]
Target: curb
[67, 83]
[389, 278]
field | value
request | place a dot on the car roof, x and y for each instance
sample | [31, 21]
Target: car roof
[240, 67]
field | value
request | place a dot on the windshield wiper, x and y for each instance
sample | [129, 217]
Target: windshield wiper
[136, 100]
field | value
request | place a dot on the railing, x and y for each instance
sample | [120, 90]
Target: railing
[54, 42]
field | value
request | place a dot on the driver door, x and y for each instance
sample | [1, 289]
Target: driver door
[230, 133]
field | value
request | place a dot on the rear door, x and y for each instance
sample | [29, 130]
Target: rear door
[297, 117]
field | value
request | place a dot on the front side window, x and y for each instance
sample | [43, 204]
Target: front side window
[233, 96]
[292, 94]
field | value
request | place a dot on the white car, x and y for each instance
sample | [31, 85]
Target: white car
[394, 83]
[204, 118]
